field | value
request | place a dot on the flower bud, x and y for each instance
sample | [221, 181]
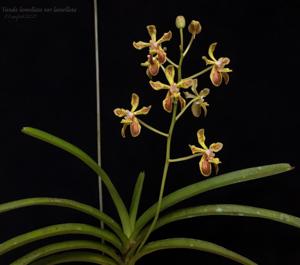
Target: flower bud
[180, 22]
[194, 27]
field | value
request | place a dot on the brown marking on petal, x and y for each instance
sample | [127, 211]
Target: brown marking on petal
[135, 128]
[161, 55]
[166, 37]
[215, 77]
[120, 112]
[186, 83]
[181, 101]
[134, 101]
[140, 45]
[205, 166]
[211, 51]
[170, 73]
[157, 85]
[168, 103]
[153, 68]
[216, 147]
[143, 111]
[152, 31]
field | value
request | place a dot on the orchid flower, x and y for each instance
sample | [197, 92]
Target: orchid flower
[218, 71]
[129, 116]
[157, 54]
[199, 102]
[208, 154]
[173, 89]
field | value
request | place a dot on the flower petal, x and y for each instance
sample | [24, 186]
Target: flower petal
[226, 77]
[224, 60]
[158, 85]
[216, 147]
[194, 86]
[185, 83]
[123, 130]
[216, 168]
[168, 103]
[196, 109]
[153, 67]
[196, 150]
[161, 55]
[152, 32]
[204, 105]
[205, 166]
[181, 101]
[188, 95]
[120, 112]
[204, 92]
[170, 73]
[135, 127]
[134, 102]
[143, 111]
[215, 77]
[201, 138]
[207, 61]
[166, 37]
[140, 45]
[211, 50]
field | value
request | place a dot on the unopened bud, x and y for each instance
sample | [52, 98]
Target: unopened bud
[194, 27]
[180, 22]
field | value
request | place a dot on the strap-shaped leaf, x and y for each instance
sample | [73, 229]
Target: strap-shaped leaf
[58, 230]
[228, 209]
[66, 246]
[189, 243]
[136, 198]
[74, 150]
[75, 256]
[81, 207]
[210, 184]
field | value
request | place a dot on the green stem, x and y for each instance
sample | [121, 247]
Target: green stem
[184, 158]
[186, 107]
[164, 177]
[163, 68]
[152, 129]
[189, 45]
[181, 55]
[171, 62]
[200, 73]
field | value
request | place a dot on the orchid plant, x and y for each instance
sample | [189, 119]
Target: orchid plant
[126, 241]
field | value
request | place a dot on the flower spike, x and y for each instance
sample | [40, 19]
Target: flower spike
[218, 71]
[208, 154]
[129, 116]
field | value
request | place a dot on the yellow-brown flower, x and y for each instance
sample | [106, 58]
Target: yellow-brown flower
[218, 71]
[129, 116]
[208, 154]
[173, 89]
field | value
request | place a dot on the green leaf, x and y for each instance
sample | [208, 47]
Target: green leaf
[74, 150]
[210, 184]
[228, 210]
[58, 230]
[75, 256]
[136, 198]
[66, 246]
[84, 208]
[189, 243]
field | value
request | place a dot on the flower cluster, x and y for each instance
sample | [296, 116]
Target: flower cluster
[191, 96]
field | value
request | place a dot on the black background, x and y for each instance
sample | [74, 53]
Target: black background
[48, 82]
